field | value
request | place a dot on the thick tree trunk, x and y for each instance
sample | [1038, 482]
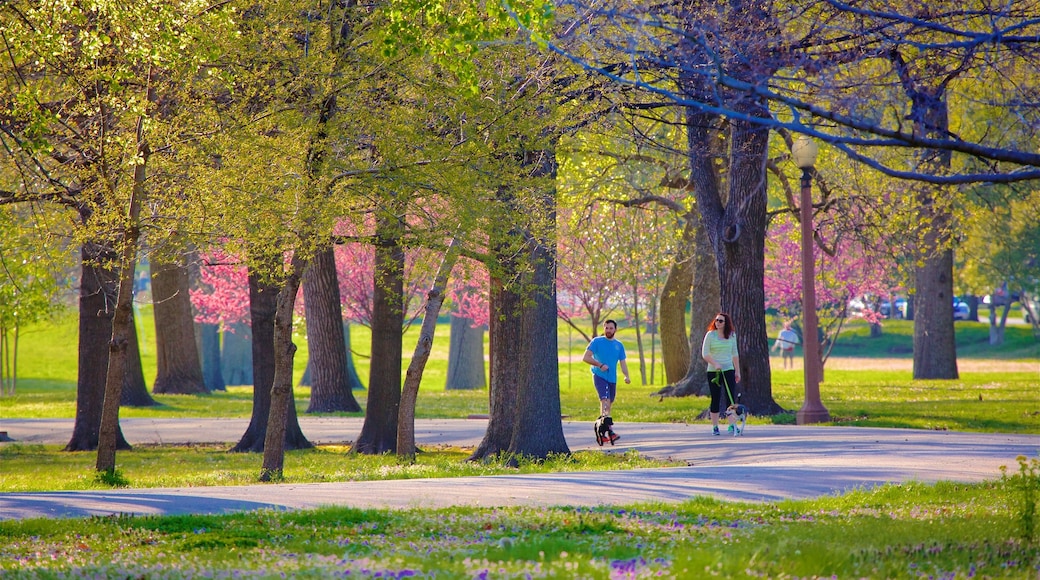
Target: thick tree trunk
[208, 336]
[379, 430]
[135, 393]
[281, 389]
[675, 343]
[353, 379]
[96, 306]
[704, 305]
[736, 230]
[465, 356]
[935, 349]
[538, 427]
[263, 304]
[504, 327]
[179, 370]
[327, 351]
[236, 356]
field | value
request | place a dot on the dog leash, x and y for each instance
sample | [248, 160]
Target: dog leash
[720, 375]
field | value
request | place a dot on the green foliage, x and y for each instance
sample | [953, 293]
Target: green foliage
[1002, 241]
[452, 32]
[111, 478]
[1023, 495]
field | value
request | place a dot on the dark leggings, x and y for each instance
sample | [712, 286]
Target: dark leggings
[719, 390]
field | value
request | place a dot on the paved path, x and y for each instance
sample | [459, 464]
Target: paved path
[769, 462]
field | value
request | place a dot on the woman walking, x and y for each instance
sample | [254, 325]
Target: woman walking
[720, 352]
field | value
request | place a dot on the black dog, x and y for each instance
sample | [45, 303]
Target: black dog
[603, 430]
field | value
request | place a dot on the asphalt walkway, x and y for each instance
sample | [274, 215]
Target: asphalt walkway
[769, 462]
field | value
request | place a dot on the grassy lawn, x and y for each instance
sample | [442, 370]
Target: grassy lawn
[906, 531]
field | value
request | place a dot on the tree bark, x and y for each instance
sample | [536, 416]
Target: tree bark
[736, 229]
[935, 347]
[123, 317]
[410, 392]
[96, 305]
[353, 379]
[675, 342]
[282, 385]
[379, 430]
[538, 427]
[327, 350]
[236, 356]
[263, 305]
[505, 326]
[179, 370]
[135, 393]
[704, 305]
[465, 356]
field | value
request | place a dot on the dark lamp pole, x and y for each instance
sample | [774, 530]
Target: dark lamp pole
[804, 152]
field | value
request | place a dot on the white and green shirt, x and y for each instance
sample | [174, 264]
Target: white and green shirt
[721, 349]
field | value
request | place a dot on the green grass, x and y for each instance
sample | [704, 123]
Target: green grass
[897, 341]
[29, 467]
[900, 531]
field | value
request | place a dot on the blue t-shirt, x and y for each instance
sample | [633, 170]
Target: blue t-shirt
[607, 351]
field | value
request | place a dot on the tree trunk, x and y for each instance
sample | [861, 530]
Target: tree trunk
[123, 318]
[327, 361]
[410, 392]
[736, 230]
[96, 304]
[263, 305]
[935, 350]
[504, 325]
[639, 333]
[675, 343]
[379, 430]
[353, 379]
[179, 370]
[935, 347]
[996, 329]
[236, 356]
[281, 389]
[135, 393]
[209, 352]
[538, 427]
[704, 305]
[465, 356]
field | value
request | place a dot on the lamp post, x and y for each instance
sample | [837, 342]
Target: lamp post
[804, 151]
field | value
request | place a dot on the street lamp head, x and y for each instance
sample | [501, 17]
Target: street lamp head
[804, 152]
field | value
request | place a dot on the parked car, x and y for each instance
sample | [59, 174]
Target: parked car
[961, 310]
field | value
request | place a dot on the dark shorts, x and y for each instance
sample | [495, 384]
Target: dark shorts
[606, 390]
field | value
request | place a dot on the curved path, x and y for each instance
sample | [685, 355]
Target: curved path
[770, 462]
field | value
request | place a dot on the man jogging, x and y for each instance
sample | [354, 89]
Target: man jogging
[605, 353]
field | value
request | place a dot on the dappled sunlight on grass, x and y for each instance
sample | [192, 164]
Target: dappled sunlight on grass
[910, 530]
[46, 467]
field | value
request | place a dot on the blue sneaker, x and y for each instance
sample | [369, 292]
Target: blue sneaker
[730, 429]
[715, 430]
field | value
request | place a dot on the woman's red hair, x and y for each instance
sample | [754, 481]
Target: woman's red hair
[727, 329]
